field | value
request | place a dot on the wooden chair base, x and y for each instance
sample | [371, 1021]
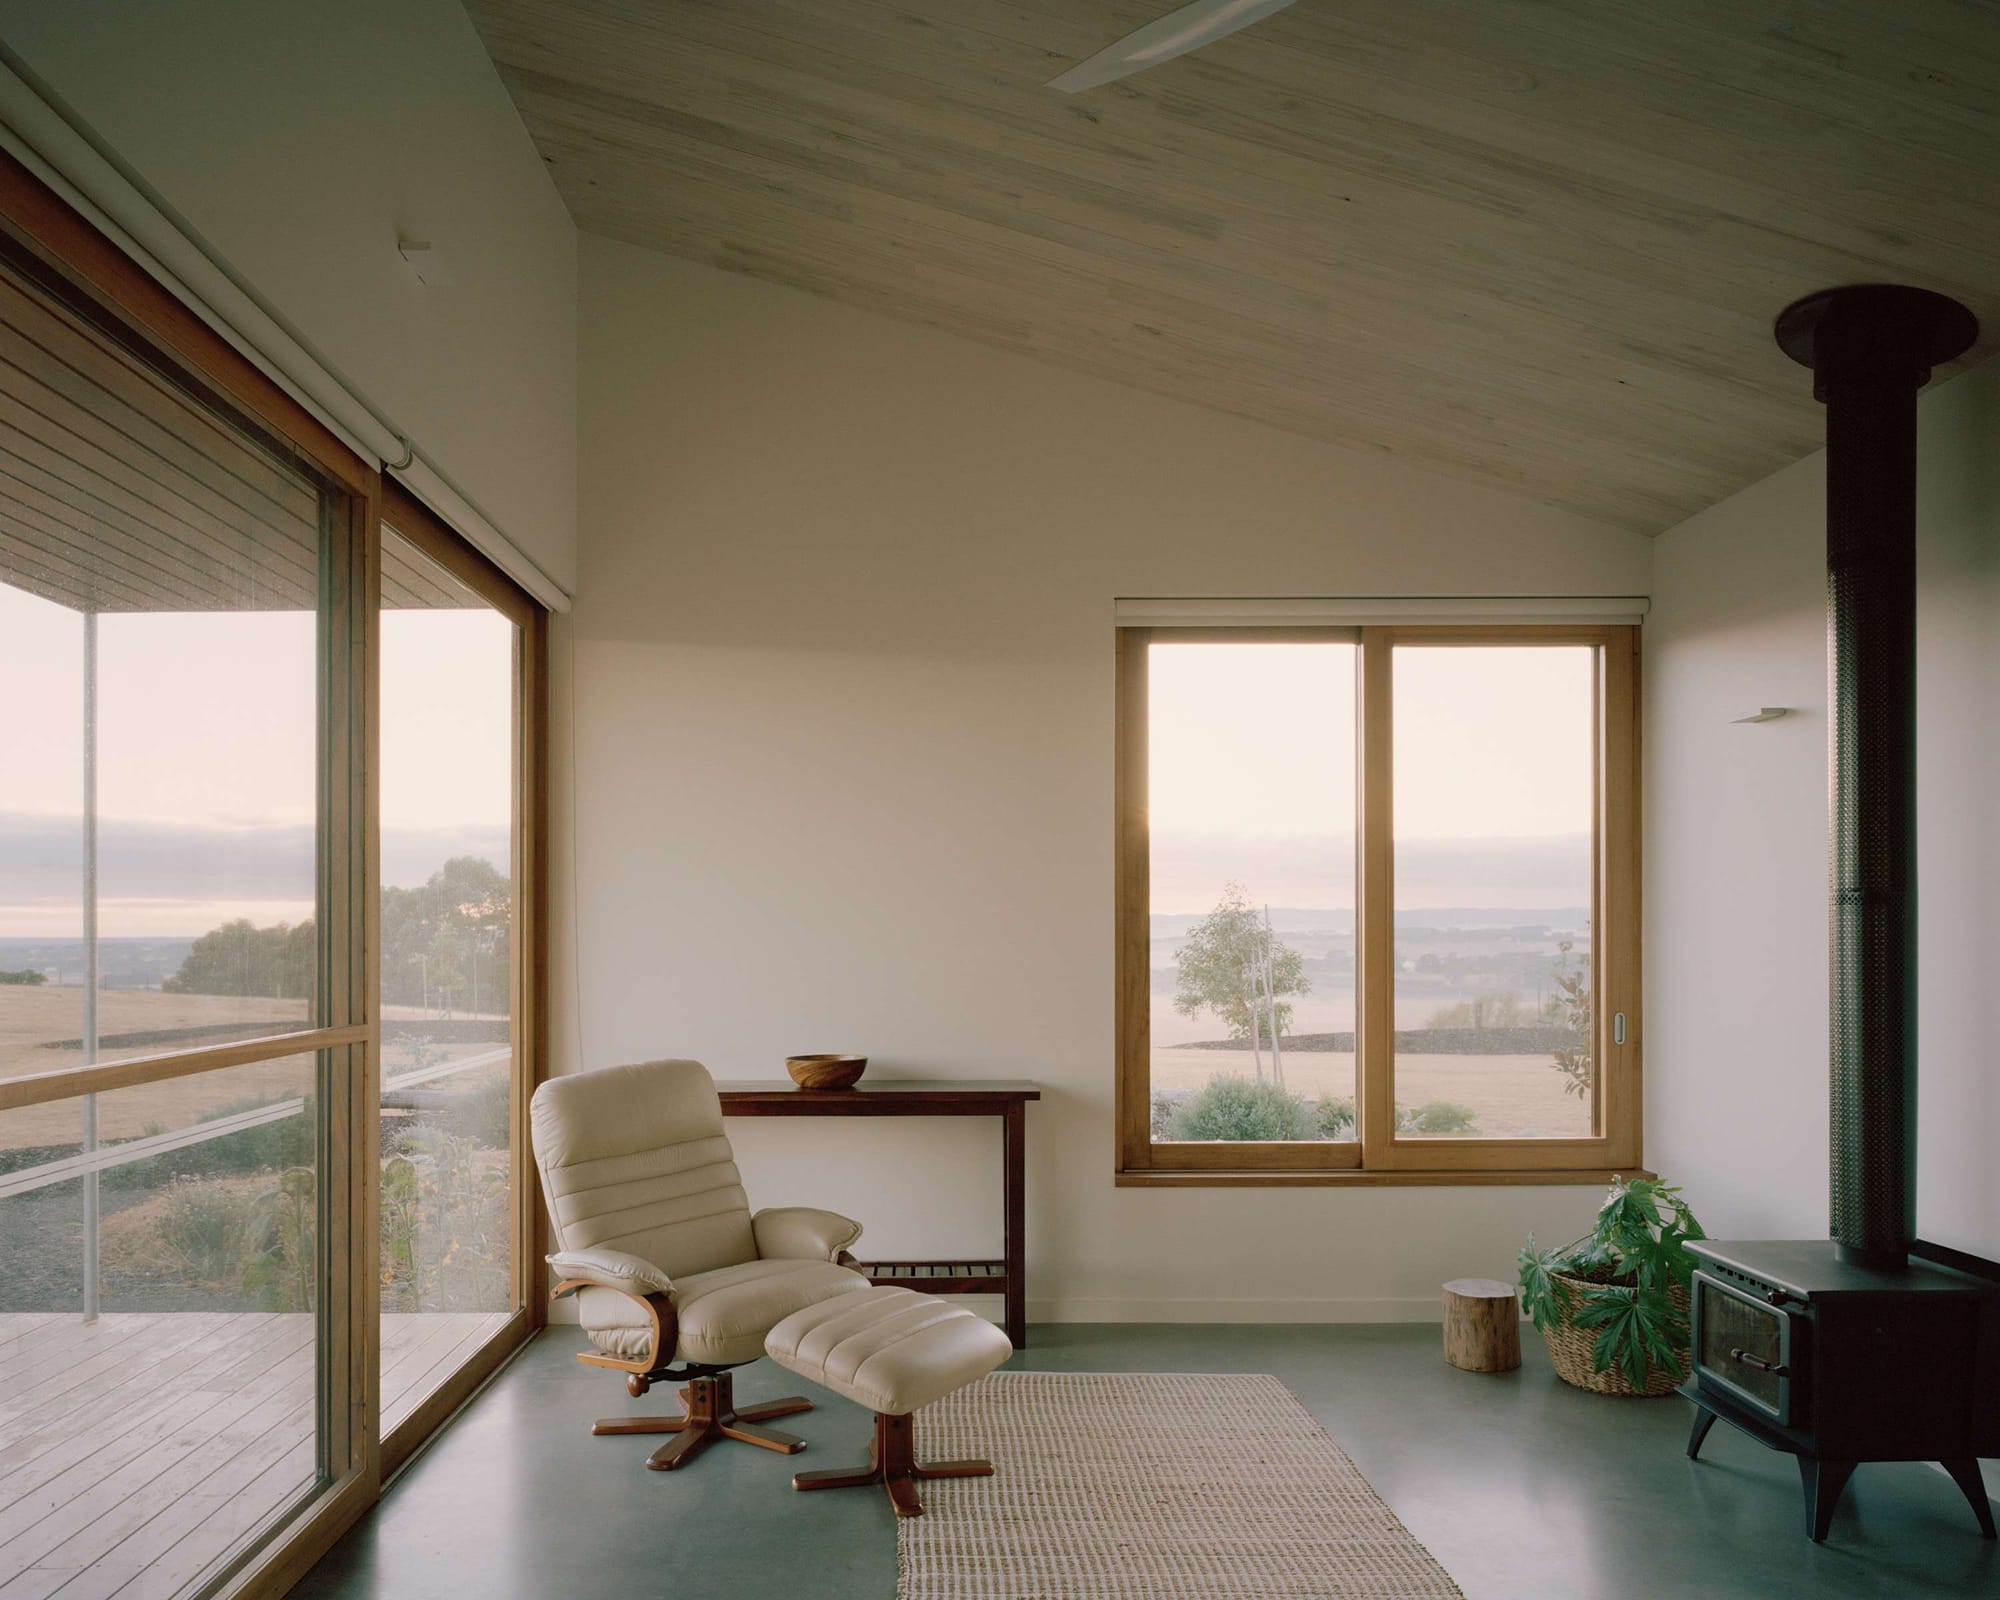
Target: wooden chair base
[711, 1414]
[892, 1462]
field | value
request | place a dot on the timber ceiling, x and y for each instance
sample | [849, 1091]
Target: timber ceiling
[1532, 243]
[120, 493]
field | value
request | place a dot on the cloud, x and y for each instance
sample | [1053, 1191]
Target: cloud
[41, 862]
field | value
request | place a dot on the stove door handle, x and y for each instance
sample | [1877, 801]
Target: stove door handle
[1777, 1369]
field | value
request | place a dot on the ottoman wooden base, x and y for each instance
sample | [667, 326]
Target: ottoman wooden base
[892, 1462]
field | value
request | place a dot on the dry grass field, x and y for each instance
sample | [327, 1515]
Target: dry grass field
[30, 1018]
[1511, 1096]
[33, 1018]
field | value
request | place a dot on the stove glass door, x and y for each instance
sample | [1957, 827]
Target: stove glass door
[1744, 1345]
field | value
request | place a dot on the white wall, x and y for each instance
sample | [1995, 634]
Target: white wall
[842, 709]
[1736, 939]
[300, 138]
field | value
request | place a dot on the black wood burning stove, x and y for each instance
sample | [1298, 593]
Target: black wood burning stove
[1870, 1345]
[1841, 1364]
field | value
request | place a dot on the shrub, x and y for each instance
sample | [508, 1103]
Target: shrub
[1236, 1109]
[1336, 1116]
[211, 1233]
[444, 1225]
[282, 1274]
[483, 1114]
[287, 1142]
[1436, 1116]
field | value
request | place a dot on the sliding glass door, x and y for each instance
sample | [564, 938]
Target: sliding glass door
[454, 1066]
[178, 1022]
[269, 996]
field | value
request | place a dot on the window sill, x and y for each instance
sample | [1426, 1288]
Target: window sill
[1355, 1178]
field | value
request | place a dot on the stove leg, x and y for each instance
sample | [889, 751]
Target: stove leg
[1965, 1473]
[1704, 1419]
[1822, 1482]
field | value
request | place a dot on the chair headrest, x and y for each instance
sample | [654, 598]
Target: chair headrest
[616, 1111]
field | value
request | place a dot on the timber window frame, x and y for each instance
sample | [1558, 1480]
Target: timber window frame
[1378, 1154]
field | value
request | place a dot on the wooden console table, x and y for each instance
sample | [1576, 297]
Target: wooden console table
[891, 1097]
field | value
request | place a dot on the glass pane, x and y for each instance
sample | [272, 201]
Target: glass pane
[141, 1446]
[1495, 785]
[1251, 820]
[158, 614]
[448, 717]
[1730, 1325]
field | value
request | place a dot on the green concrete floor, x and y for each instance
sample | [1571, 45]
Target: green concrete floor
[1521, 1486]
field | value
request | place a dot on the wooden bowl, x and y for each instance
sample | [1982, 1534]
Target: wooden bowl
[825, 1071]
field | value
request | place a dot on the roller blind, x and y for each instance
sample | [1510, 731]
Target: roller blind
[1356, 611]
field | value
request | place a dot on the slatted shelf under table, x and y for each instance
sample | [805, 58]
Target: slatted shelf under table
[939, 1277]
[904, 1097]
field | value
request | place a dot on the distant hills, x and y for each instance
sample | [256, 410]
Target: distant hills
[121, 963]
[1525, 921]
[1547, 876]
[165, 867]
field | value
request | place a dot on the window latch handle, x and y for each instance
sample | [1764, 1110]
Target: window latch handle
[1618, 1028]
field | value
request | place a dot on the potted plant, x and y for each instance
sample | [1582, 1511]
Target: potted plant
[1613, 1306]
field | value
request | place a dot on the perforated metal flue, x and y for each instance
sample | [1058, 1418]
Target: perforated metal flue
[1871, 807]
[1871, 349]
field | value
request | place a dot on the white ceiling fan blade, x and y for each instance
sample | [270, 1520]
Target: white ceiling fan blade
[1162, 39]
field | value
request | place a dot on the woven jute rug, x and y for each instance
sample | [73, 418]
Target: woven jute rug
[1149, 1486]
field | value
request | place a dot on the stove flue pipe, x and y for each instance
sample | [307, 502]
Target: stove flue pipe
[1871, 347]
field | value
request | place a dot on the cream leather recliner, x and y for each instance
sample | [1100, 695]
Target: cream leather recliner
[674, 1277]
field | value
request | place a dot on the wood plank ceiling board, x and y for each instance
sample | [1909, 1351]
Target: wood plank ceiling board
[1536, 244]
[120, 493]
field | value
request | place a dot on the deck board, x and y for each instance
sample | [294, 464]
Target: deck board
[195, 1362]
[137, 1451]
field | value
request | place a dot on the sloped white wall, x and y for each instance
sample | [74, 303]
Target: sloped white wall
[842, 701]
[1736, 935]
[300, 139]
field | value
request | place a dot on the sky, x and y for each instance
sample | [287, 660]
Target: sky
[206, 766]
[1252, 774]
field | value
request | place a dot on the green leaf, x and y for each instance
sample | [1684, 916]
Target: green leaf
[1638, 1331]
[1614, 1313]
[1655, 1262]
[1544, 1297]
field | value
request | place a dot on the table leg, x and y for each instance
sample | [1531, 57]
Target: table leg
[1013, 1237]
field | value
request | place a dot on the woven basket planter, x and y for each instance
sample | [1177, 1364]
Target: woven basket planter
[1570, 1350]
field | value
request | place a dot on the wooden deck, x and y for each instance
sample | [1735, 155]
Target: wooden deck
[137, 1451]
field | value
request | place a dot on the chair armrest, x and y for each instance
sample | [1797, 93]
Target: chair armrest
[609, 1269]
[637, 1279]
[801, 1233]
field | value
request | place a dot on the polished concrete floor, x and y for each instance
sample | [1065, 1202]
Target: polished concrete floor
[1520, 1485]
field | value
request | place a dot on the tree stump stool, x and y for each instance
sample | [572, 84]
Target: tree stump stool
[1482, 1325]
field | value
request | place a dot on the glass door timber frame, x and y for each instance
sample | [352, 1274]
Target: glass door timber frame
[1378, 1154]
[49, 244]
[420, 528]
